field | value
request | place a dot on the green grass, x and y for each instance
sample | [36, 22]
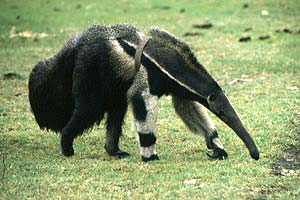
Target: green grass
[31, 166]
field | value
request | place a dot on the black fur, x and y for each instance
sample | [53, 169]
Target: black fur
[209, 143]
[50, 89]
[139, 108]
[147, 139]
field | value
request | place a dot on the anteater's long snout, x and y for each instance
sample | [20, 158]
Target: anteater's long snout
[220, 105]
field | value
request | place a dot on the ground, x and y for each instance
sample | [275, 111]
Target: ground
[250, 47]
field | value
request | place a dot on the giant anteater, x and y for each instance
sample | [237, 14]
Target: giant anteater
[96, 73]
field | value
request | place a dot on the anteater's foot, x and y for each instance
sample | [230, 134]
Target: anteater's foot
[218, 154]
[121, 154]
[151, 158]
[67, 151]
[66, 146]
[116, 152]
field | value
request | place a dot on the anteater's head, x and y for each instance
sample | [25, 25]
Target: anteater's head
[191, 75]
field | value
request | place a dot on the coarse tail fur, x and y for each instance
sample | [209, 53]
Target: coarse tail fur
[94, 74]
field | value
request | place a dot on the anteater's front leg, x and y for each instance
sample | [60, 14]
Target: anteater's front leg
[197, 120]
[145, 109]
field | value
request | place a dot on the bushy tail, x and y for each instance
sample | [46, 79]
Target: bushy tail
[50, 90]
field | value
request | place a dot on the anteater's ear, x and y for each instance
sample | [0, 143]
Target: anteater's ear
[167, 38]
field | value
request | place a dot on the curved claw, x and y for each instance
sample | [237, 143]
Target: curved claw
[218, 153]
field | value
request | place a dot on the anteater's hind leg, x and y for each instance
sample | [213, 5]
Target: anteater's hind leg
[115, 117]
[84, 116]
[197, 120]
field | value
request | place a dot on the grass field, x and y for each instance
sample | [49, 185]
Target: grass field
[261, 77]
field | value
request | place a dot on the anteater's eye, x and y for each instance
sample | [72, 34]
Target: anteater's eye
[212, 98]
